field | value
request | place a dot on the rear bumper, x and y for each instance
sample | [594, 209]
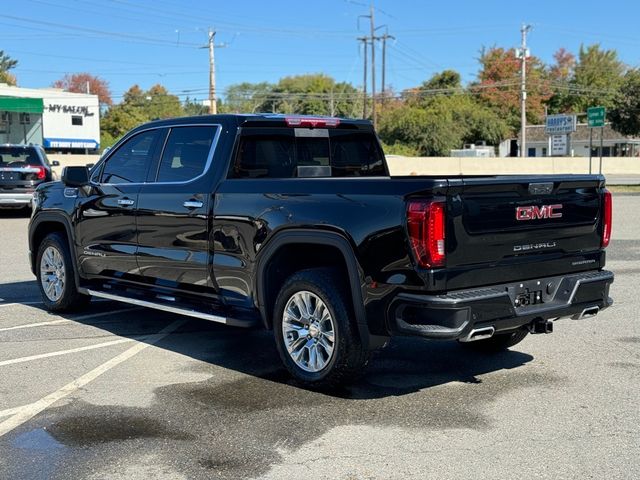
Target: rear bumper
[503, 307]
[9, 200]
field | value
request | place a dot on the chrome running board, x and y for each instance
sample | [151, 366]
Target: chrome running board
[167, 308]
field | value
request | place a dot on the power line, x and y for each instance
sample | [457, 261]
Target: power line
[118, 35]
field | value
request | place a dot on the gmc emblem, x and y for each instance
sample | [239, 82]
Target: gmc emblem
[534, 212]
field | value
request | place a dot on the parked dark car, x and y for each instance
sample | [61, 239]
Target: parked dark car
[22, 169]
[294, 224]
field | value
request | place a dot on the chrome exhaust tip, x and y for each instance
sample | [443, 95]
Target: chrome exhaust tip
[587, 312]
[478, 334]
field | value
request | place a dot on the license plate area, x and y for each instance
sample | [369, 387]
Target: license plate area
[9, 176]
[532, 292]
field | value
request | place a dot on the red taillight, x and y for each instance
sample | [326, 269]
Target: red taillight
[39, 170]
[312, 122]
[607, 218]
[425, 223]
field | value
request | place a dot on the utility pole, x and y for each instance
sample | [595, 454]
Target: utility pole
[384, 61]
[523, 91]
[213, 107]
[374, 116]
[364, 83]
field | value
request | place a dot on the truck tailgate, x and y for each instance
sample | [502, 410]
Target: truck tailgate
[515, 228]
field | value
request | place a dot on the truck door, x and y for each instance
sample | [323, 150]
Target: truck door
[174, 211]
[106, 223]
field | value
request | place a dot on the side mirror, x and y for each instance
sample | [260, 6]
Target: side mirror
[55, 163]
[90, 165]
[75, 176]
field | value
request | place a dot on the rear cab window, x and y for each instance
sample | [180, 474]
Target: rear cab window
[307, 153]
[17, 156]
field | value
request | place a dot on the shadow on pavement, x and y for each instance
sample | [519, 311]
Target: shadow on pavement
[407, 365]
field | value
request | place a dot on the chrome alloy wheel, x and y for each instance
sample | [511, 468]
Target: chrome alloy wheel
[52, 273]
[308, 331]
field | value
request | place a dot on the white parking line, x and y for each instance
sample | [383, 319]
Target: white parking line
[31, 325]
[39, 302]
[30, 358]
[19, 303]
[65, 320]
[27, 412]
[12, 411]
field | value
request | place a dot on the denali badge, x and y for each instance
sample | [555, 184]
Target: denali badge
[533, 246]
[533, 212]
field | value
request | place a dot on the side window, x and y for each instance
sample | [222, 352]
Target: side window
[129, 164]
[355, 154]
[265, 156]
[186, 153]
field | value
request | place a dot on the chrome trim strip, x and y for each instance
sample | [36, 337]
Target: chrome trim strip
[19, 169]
[212, 151]
[157, 306]
[16, 198]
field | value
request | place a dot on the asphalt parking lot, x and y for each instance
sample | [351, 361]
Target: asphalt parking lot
[123, 393]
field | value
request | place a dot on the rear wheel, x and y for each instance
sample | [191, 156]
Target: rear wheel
[314, 330]
[54, 270]
[499, 342]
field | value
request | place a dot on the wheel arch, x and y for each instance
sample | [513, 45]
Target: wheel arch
[40, 227]
[272, 252]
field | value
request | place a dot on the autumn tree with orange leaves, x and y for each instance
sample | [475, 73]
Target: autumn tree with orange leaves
[498, 85]
[78, 83]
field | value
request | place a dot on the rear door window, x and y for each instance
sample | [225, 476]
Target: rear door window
[19, 156]
[186, 153]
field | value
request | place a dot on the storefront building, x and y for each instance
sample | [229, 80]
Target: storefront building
[57, 120]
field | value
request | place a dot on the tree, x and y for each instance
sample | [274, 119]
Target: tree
[247, 97]
[625, 114]
[598, 75]
[86, 83]
[560, 75]
[499, 85]
[440, 125]
[159, 103]
[447, 79]
[118, 120]
[314, 94]
[194, 108]
[137, 107]
[7, 63]
[442, 83]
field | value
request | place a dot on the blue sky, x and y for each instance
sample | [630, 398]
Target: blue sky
[157, 41]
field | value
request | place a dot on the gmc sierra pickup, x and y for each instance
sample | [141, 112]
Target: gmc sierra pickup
[294, 224]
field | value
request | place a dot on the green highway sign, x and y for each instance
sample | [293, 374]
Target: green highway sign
[595, 116]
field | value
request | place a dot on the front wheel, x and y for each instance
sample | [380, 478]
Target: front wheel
[54, 270]
[314, 329]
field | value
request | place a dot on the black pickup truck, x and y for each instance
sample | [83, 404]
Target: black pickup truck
[294, 224]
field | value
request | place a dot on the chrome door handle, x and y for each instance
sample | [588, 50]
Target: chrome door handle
[125, 202]
[192, 204]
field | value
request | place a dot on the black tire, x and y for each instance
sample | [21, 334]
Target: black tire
[348, 357]
[497, 343]
[69, 299]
